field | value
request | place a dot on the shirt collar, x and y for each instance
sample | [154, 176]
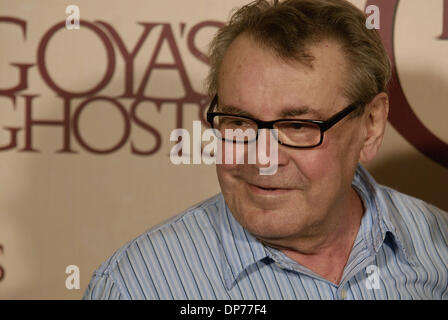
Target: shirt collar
[384, 217]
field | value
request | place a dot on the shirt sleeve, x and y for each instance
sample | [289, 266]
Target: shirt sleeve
[102, 287]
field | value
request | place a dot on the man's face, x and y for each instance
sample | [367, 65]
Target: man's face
[310, 185]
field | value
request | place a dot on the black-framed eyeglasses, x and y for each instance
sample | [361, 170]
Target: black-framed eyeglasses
[293, 133]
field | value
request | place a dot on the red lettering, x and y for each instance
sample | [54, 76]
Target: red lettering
[2, 270]
[401, 116]
[68, 122]
[23, 68]
[203, 103]
[30, 122]
[128, 57]
[121, 109]
[146, 127]
[167, 35]
[13, 131]
[444, 35]
[43, 67]
[192, 35]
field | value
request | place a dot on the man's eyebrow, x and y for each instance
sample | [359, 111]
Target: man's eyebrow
[291, 112]
[300, 111]
[233, 110]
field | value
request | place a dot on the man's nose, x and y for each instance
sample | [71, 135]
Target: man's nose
[267, 152]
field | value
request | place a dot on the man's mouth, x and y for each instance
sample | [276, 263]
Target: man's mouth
[267, 190]
[270, 189]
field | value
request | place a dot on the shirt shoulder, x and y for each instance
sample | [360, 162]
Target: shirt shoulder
[135, 268]
[412, 208]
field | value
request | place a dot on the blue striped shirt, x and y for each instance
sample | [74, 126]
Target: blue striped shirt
[400, 252]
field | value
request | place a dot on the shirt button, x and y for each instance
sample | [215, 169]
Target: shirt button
[343, 294]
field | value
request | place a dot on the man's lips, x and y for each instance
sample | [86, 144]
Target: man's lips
[267, 189]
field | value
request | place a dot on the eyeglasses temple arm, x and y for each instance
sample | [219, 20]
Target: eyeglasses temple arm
[338, 117]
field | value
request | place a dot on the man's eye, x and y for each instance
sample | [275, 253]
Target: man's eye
[236, 122]
[293, 126]
[239, 122]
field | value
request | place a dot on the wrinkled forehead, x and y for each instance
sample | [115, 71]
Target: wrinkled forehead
[257, 80]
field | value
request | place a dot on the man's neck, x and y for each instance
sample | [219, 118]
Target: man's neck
[327, 254]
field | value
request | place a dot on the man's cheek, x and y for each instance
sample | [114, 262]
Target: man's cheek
[226, 174]
[232, 154]
[317, 168]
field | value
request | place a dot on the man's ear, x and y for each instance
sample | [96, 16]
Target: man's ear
[375, 119]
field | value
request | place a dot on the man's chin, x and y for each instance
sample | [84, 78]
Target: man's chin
[266, 222]
[272, 234]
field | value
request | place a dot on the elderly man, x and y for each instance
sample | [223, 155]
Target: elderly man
[320, 227]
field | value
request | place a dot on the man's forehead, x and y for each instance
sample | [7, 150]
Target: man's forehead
[254, 80]
[316, 55]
